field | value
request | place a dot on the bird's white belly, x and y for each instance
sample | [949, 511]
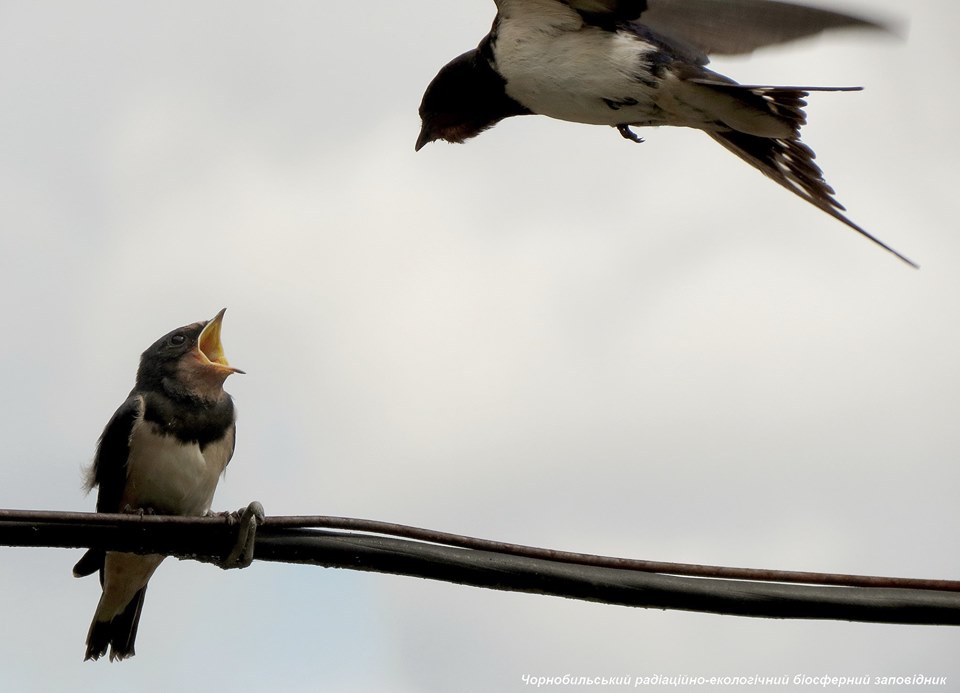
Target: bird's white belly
[170, 477]
[587, 76]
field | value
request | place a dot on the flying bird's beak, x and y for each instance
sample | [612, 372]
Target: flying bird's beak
[425, 138]
[210, 347]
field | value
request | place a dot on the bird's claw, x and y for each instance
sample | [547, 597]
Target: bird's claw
[248, 519]
[139, 512]
[629, 134]
[231, 517]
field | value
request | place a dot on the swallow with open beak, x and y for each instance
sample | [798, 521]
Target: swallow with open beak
[641, 63]
[163, 452]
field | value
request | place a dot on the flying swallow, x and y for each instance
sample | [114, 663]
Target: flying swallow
[641, 63]
[163, 452]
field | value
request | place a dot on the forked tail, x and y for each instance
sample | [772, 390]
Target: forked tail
[785, 159]
[118, 633]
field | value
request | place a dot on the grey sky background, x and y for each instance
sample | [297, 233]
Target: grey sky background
[548, 335]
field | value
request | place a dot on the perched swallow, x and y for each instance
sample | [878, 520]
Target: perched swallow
[162, 452]
[627, 63]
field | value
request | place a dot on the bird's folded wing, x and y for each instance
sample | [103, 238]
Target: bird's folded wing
[109, 470]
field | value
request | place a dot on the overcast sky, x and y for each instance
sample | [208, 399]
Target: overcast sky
[549, 336]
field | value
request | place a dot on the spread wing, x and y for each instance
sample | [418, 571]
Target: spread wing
[109, 472]
[722, 27]
[733, 27]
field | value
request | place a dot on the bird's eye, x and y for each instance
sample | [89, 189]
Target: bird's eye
[177, 339]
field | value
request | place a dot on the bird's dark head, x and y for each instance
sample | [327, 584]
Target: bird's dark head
[465, 98]
[187, 362]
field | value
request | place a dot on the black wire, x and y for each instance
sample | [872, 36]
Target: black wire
[211, 539]
[607, 585]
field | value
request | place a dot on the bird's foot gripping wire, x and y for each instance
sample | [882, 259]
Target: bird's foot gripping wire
[139, 512]
[629, 134]
[247, 520]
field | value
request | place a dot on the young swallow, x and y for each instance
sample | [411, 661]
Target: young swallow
[163, 452]
[641, 63]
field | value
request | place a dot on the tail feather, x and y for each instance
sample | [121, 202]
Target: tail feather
[790, 162]
[757, 105]
[119, 633]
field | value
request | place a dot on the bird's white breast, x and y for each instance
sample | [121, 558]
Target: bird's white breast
[557, 66]
[172, 477]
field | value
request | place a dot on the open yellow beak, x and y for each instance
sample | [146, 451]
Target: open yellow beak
[210, 346]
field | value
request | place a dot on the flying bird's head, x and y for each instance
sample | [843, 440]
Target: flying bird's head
[188, 362]
[465, 98]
